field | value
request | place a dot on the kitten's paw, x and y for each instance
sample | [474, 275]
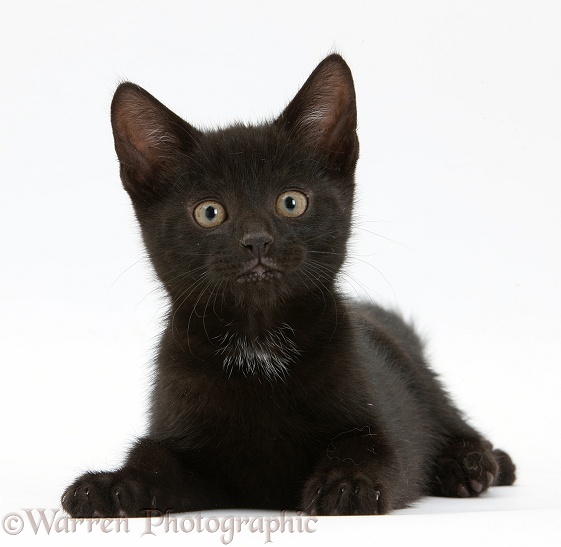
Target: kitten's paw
[465, 468]
[344, 491]
[108, 495]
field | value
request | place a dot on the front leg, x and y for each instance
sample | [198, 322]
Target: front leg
[154, 478]
[357, 475]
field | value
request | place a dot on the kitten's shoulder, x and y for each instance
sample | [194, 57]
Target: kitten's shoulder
[377, 322]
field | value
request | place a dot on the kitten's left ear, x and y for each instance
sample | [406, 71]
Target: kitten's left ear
[323, 113]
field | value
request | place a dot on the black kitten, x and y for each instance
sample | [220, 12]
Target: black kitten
[272, 390]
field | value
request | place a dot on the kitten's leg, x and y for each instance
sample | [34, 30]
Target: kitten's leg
[154, 478]
[357, 476]
[467, 466]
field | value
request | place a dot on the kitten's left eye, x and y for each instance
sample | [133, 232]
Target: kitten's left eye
[292, 204]
[210, 214]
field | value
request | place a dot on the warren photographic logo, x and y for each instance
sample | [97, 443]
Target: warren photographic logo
[55, 521]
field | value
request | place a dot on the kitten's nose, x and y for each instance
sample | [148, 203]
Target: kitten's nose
[257, 243]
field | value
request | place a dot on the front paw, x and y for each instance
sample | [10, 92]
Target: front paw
[111, 494]
[345, 491]
[465, 468]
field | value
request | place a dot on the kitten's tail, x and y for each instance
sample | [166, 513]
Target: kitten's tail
[507, 469]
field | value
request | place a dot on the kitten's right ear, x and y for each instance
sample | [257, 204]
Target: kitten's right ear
[149, 140]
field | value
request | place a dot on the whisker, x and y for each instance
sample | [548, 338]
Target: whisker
[141, 259]
[342, 273]
[356, 258]
[191, 316]
[384, 237]
[305, 269]
[183, 297]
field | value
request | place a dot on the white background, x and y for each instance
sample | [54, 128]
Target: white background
[458, 224]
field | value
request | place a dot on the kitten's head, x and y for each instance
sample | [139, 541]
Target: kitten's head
[252, 215]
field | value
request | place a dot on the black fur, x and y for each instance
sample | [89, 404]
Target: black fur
[272, 390]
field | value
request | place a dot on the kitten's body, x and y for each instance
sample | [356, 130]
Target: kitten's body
[271, 389]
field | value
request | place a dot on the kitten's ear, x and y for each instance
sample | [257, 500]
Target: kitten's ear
[323, 113]
[149, 140]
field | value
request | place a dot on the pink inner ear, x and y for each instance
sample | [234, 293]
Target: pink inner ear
[321, 119]
[149, 138]
[330, 93]
[142, 126]
[324, 110]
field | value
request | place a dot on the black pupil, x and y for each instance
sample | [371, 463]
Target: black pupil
[211, 212]
[290, 203]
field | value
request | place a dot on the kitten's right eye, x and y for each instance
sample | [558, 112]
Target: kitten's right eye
[209, 214]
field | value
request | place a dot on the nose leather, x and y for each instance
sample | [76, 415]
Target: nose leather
[258, 243]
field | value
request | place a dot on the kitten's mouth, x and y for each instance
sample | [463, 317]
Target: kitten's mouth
[259, 270]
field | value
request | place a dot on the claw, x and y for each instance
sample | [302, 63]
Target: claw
[476, 486]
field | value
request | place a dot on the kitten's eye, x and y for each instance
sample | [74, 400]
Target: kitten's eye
[292, 204]
[210, 214]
